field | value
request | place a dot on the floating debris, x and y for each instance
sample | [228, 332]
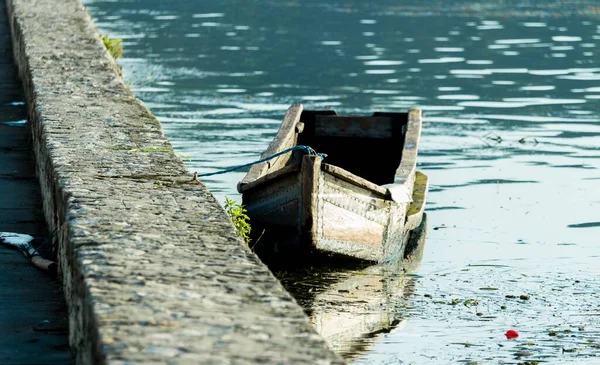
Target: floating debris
[511, 334]
[524, 139]
[16, 123]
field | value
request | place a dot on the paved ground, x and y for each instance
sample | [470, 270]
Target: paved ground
[33, 315]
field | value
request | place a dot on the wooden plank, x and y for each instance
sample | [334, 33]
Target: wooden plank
[360, 208]
[349, 249]
[415, 246]
[283, 214]
[397, 231]
[395, 237]
[406, 170]
[273, 203]
[353, 126]
[286, 137]
[350, 197]
[347, 226]
[286, 131]
[311, 166]
[356, 180]
[414, 214]
[266, 179]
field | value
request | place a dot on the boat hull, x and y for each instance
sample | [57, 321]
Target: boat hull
[361, 201]
[310, 210]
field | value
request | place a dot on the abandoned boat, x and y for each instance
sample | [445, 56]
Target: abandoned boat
[360, 196]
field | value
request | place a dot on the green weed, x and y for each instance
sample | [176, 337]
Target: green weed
[182, 156]
[114, 46]
[240, 219]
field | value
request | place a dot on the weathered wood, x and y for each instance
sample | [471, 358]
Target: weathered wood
[356, 180]
[343, 207]
[395, 237]
[311, 166]
[415, 246]
[414, 215]
[352, 197]
[353, 126]
[274, 203]
[408, 164]
[265, 179]
[338, 211]
[347, 226]
[397, 230]
[286, 137]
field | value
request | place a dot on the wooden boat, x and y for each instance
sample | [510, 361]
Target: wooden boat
[361, 201]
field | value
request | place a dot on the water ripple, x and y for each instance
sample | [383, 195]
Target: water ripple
[509, 94]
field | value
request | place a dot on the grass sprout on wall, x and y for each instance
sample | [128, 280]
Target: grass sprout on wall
[240, 219]
[114, 46]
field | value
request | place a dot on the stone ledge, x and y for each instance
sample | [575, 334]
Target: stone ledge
[152, 268]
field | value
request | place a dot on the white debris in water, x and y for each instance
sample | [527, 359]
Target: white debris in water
[18, 240]
[16, 123]
[208, 15]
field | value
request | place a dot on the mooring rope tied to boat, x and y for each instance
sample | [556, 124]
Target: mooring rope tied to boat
[307, 149]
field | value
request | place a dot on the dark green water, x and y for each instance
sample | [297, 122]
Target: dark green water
[511, 143]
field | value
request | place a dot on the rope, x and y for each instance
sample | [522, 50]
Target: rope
[46, 241]
[306, 149]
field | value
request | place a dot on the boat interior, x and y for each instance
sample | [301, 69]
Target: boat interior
[367, 146]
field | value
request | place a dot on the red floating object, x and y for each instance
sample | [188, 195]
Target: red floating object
[510, 334]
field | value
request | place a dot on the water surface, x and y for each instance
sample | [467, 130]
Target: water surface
[511, 99]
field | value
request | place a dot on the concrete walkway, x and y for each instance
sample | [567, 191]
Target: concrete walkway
[33, 315]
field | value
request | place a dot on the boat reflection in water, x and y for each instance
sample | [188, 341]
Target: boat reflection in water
[352, 304]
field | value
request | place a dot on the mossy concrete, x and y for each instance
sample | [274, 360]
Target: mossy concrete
[153, 271]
